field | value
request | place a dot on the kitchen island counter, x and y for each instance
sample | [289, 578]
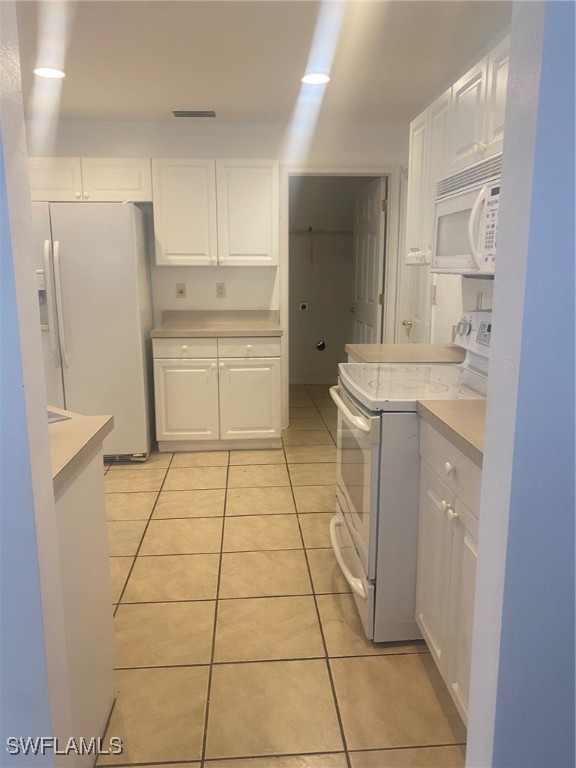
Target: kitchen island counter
[405, 353]
[460, 421]
[71, 440]
[212, 324]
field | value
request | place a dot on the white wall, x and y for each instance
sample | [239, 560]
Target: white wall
[34, 697]
[522, 688]
[321, 274]
[332, 144]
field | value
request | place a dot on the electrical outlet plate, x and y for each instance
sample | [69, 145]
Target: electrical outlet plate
[181, 290]
[220, 290]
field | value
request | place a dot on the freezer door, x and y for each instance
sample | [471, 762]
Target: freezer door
[104, 319]
[42, 242]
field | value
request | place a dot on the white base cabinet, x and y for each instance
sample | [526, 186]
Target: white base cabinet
[447, 555]
[87, 596]
[206, 402]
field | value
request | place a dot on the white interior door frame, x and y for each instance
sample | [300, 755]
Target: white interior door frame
[391, 245]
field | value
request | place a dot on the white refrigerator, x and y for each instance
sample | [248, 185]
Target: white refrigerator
[96, 315]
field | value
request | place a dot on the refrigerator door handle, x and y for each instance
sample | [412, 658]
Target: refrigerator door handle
[52, 318]
[59, 306]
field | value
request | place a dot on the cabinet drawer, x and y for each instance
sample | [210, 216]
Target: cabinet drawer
[245, 346]
[184, 348]
[456, 470]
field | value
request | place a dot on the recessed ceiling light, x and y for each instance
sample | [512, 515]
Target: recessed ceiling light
[55, 74]
[316, 78]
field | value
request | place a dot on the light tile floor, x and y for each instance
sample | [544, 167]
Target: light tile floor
[238, 641]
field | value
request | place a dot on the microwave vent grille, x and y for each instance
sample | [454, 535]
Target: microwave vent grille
[470, 177]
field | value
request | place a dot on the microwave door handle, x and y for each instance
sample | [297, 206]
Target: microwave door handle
[472, 222]
[50, 297]
[362, 424]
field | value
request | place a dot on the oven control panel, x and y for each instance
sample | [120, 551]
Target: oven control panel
[474, 331]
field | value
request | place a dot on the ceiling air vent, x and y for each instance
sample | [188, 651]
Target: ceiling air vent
[194, 113]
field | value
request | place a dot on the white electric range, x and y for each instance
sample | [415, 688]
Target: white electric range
[374, 532]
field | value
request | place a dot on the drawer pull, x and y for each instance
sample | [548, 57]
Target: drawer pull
[184, 347]
[452, 515]
[449, 469]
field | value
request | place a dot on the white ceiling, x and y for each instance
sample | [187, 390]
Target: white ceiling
[134, 60]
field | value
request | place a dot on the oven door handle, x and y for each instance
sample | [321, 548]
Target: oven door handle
[362, 424]
[355, 583]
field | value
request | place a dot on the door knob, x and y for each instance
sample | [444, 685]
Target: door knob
[407, 323]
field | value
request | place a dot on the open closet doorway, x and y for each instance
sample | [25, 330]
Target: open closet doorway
[336, 253]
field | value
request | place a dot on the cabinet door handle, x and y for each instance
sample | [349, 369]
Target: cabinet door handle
[212, 365]
[452, 515]
[449, 469]
[222, 366]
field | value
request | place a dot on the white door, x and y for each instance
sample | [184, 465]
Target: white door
[186, 398]
[184, 196]
[248, 212]
[369, 235]
[249, 398]
[434, 541]
[461, 604]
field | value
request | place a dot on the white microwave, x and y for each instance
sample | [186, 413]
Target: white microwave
[466, 220]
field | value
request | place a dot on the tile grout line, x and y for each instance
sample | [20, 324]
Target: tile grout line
[213, 646]
[116, 609]
[318, 618]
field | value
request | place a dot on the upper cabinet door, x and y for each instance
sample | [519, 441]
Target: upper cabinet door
[496, 97]
[184, 211]
[56, 179]
[415, 201]
[116, 179]
[467, 118]
[248, 212]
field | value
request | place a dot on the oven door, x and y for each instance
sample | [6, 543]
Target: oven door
[357, 475]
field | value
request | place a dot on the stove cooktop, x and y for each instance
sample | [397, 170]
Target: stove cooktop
[397, 387]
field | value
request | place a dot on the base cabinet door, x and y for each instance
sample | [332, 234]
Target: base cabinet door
[434, 542]
[249, 398]
[186, 394]
[462, 582]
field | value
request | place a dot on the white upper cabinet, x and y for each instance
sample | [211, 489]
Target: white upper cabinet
[185, 211]
[416, 185]
[247, 195]
[496, 100]
[93, 179]
[115, 179]
[478, 108]
[210, 212]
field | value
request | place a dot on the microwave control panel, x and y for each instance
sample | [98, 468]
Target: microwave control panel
[488, 256]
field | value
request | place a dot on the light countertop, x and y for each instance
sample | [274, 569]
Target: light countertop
[72, 440]
[406, 353]
[460, 421]
[203, 324]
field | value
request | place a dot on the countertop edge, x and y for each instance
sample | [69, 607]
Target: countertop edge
[71, 441]
[468, 448]
[166, 332]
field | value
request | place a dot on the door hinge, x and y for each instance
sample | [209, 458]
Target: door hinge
[385, 205]
[381, 299]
